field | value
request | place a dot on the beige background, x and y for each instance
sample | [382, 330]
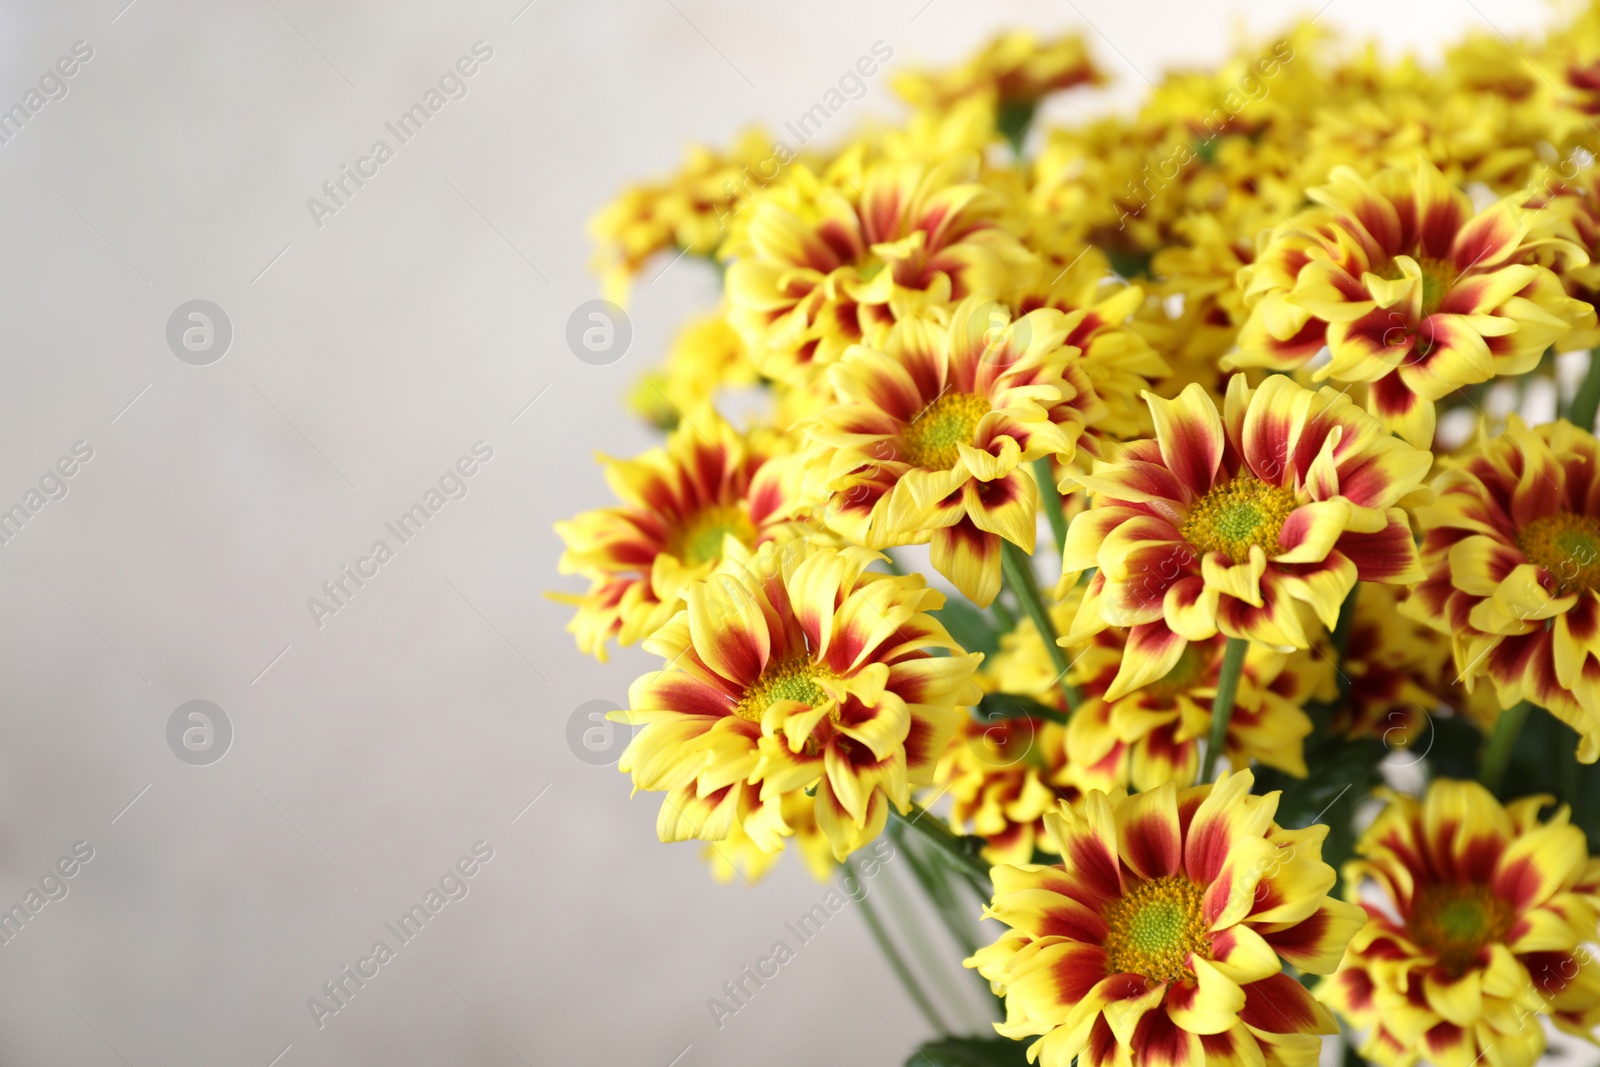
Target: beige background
[367, 356]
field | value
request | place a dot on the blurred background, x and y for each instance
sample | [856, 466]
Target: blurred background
[245, 850]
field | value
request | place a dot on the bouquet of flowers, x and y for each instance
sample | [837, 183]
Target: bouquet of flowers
[1177, 534]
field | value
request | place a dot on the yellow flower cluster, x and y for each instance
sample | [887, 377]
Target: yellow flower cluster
[1229, 359]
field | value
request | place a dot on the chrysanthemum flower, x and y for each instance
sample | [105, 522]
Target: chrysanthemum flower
[1162, 934]
[1152, 734]
[706, 356]
[796, 672]
[1001, 778]
[1229, 523]
[741, 854]
[1010, 75]
[710, 493]
[1478, 922]
[827, 262]
[688, 210]
[1013, 69]
[1571, 210]
[930, 440]
[1118, 360]
[1398, 673]
[1412, 293]
[1511, 547]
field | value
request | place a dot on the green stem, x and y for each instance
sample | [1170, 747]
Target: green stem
[931, 877]
[1003, 615]
[1341, 639]
[934, 830]
[1586, 400]
[1222, 703]
[1050, 501]
[924, 947]
[1497, 756]
[1018, 571]
[869, 912]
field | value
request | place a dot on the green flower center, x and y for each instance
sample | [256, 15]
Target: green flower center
[1567, 546]
[1155, 928]
[1237, 515]
[700, 539]
[1458, 921]
[794, 680]
[1437, 278]
[932, 439]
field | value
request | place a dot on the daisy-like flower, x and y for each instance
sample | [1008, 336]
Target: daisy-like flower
[1511, 547]
[1230, 523]
[741, 855]
[930, 440]
[1571, 204]
[827, 262]
[688, 210]
[706, 356]
[798, 672]
[1478, 919]
[1411, 292]
[1162, 934]
[1152, 735]
[709, 493]
[1001, 779]
[1119, 360]
[1014, 68]
[1398, 671]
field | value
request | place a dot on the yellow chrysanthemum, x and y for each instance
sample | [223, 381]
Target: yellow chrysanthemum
[1412, 292]
[710, 493]
[1152, 734]
[741, 855]
[1100, 310]
[829, 261]
[796, 672]
[1397, 672]
[707, 356]
[1162, 935]
[1013, 70]
[931, 437]
[1511, 549]
[1002, 780]
[688, 211]
[1229, 522]
[1479, 922]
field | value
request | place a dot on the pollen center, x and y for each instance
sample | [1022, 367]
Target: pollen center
[794, 680]
[700, 539]
[1239, 514]
[930, 440]
[1155, 927]
[1568, 547]
[1457, 921]
[1437, 278]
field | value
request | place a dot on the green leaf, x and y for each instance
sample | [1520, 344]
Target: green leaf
[995, 706]
[1454, 749]
[1127, 263]
[1013, 120]
[1342, 773]
[971, 628]
[970, 1052]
